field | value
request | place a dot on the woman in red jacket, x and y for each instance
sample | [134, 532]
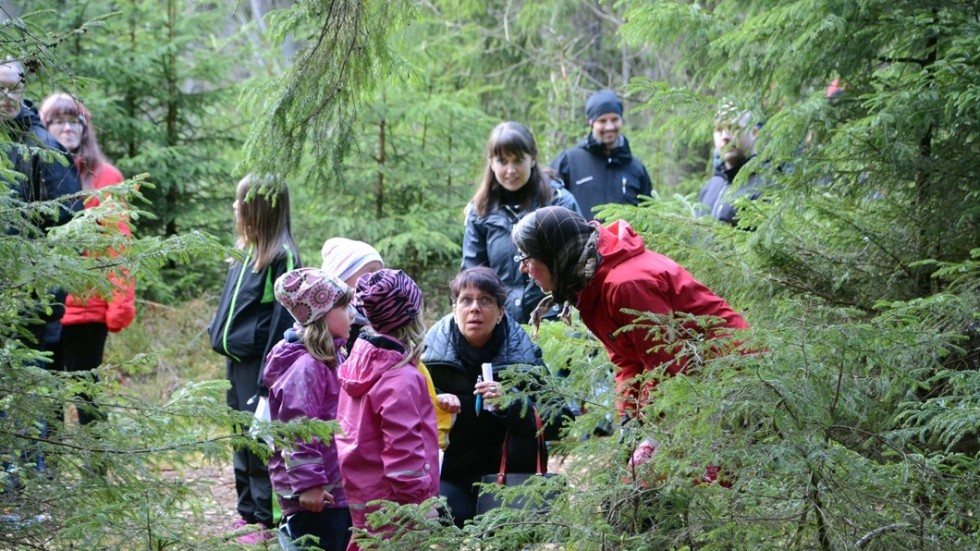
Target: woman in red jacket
[607, 273]
[90, 317]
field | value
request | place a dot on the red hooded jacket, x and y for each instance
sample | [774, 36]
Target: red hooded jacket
[120, 311]
[632, 277]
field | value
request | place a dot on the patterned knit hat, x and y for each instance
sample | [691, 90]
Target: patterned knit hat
[308, 293]
[389, 299]
[343, 257]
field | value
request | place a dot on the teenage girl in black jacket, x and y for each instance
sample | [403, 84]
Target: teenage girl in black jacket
[249, 322]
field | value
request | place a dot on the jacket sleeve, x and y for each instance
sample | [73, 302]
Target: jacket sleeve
[564, 198]
[281, 318]
[108, 176]
[121, 307]
[304, 460]
[403, 454]
[518, 416]
[59, 180]
[474, 242]
[560, 167]
[646, 186]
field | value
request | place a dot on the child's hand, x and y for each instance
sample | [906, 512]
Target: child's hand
[313, 499]
[448, 402]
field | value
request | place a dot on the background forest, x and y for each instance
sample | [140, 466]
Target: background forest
[855, 428]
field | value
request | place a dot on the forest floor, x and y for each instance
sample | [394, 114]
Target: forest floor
[217, 490]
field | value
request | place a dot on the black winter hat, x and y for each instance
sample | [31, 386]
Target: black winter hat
[602, 102]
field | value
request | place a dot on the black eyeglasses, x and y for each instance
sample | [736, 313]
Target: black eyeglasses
[77, 123]
[524, 260]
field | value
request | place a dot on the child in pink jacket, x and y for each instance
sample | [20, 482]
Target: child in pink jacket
[389, 448]
[301, 373]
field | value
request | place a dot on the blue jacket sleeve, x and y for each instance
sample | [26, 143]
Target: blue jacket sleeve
[474, 242]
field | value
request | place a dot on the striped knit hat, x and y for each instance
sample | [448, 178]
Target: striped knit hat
[343, 257]
[389, 299]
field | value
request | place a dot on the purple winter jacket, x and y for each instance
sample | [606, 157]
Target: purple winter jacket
[302, 386]
[389, 448]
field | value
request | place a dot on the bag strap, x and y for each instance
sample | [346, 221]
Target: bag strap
[539, 436]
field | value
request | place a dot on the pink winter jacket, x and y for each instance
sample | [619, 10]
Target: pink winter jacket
[301, 386]
[389, 448]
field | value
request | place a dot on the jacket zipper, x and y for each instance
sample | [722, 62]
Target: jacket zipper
[231, 307]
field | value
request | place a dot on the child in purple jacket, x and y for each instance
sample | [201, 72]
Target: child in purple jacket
[389, 449]
[301, 374]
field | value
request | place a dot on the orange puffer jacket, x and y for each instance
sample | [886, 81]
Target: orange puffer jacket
[118, 312]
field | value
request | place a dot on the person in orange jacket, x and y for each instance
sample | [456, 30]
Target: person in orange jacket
[88, 317]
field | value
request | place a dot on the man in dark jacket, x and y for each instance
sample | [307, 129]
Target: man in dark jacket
[601, 169]
[734, 138]
[34, 173]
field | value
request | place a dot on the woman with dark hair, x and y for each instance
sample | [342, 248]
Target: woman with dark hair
[479, 331]
[607, 272]
[89, 318]
[513, 185]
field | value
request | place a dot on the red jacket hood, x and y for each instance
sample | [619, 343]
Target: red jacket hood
[618, 243]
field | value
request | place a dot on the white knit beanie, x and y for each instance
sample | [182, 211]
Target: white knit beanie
[343, 257]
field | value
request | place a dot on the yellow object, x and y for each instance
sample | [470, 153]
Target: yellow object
[444, 419]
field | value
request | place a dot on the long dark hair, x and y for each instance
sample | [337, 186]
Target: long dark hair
[263, 220]
[513, 139]
[564, 242]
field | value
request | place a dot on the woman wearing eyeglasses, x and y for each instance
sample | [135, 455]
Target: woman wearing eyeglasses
[513, 185]
[88, 319]
[479, 331]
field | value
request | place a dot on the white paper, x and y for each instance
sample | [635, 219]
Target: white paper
[487, 376]
[262, 417]
[262, 410]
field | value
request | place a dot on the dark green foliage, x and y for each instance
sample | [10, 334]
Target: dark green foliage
[849, 420]
[160, 87]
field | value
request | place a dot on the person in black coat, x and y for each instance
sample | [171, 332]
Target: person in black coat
[734, 138]
[513, 186]
[249, 322]
[601, 169]
[37, 176]
[476, 332]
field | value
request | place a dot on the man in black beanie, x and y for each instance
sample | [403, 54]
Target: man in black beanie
[601, 169]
